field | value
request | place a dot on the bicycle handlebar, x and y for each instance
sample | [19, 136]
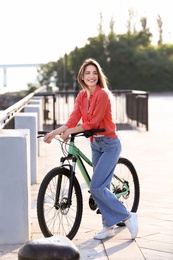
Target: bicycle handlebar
[42, 133]
[91, 132]
[86, 133]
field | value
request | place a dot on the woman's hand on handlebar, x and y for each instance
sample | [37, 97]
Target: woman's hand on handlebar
[64, 133]
[48, 138]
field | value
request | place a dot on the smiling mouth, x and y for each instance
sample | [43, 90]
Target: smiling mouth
[92, 81]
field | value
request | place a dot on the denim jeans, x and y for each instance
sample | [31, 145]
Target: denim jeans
[105, 154]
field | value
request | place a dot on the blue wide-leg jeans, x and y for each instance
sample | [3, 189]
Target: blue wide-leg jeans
[105, 154]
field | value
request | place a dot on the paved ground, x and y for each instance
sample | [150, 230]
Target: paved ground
[152, 154]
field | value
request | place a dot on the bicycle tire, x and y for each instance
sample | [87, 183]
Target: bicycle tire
[59, 220]
[127, 172]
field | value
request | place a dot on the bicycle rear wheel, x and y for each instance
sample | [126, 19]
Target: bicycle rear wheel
[55, 217]
[124, 176]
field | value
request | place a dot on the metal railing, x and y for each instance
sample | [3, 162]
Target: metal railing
[137, 107]
[130, 108]
[8, 114]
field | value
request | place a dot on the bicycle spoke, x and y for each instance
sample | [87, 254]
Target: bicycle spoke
[125, 184]
[54, 214]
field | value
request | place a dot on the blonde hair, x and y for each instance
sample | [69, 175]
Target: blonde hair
[102, 79]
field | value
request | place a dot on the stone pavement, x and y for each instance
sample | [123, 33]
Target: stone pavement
[152, 154]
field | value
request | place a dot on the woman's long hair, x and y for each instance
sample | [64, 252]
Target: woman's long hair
[102, 79]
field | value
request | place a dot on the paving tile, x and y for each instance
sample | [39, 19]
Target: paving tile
[156, 255]
[122, 249]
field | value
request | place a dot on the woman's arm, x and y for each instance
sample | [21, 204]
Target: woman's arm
[64, 131]
[70, 131]
[48, 138]
[69, 125]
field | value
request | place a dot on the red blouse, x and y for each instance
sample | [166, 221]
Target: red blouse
[95, 112]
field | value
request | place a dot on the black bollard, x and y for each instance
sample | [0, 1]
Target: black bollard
[51, 248]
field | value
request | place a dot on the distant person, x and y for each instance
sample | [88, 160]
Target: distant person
[93, 105]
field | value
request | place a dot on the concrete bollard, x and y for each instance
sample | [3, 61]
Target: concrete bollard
[51, 248]
[38, 101]
[15, 185]
[36, 109]
[29, 121]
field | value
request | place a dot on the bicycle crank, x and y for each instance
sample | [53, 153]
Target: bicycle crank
[92, 204]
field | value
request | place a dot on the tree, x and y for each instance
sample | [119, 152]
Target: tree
[131, 22]
[129, 60]
[160, 24]
[47, 73]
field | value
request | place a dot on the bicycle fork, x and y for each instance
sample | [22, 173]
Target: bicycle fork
[68, 200]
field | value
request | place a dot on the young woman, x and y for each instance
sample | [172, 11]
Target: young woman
[93, 105]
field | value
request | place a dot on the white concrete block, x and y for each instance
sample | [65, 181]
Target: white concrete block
[29, 121]
[36, 109]
[15, 197]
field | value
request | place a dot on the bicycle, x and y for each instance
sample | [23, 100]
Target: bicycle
[60, 201]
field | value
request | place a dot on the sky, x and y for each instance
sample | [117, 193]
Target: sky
[39, 31]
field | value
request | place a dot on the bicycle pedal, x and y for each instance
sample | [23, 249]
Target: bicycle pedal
[92, 204]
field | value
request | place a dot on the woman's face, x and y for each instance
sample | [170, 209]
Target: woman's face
[90, 76]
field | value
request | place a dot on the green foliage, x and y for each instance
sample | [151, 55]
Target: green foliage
[129, 61]
[31, 88]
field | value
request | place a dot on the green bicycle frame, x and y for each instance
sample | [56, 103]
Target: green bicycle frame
[78, 154]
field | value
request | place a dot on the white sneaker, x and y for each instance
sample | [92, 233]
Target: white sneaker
[106, 232]
[132, 225]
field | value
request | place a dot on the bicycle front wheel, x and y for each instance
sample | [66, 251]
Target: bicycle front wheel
[55, 216]
[125, 185]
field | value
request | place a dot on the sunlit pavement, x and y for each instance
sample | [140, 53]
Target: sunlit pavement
[152, 154]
